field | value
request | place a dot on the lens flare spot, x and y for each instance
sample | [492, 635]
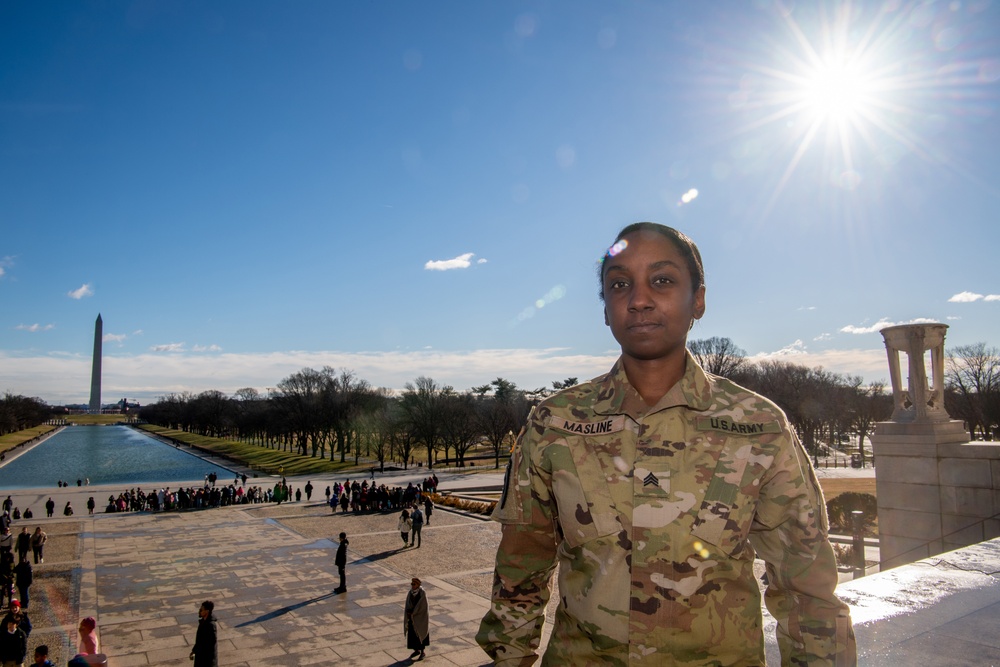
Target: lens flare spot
[688, 197]
[617, 248]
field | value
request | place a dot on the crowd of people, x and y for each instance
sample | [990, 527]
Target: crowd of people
[361, 496]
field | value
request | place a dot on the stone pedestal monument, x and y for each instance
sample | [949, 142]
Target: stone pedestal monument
[936, 490]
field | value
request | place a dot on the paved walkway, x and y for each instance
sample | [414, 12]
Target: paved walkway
[270, 571]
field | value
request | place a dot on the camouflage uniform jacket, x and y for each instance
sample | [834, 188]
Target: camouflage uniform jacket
[654, 516]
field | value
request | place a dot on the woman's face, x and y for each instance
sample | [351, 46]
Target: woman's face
[649, 301]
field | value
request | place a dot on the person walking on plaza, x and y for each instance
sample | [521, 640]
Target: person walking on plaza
[20, 616]
[23, 576]
[50, 507]
[417, 519]
[23, 543]
[6, 576]
[404, 526]
[6, 540]
[89, 644]
[428, 508]
[341, 562]
[42, 656]
[205, 649]
[91, 504]
[13, 645]
[38, 539]
[416, 620]
[309, 491]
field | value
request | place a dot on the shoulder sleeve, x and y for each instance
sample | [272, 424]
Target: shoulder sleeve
[511, 629]
[790, 535]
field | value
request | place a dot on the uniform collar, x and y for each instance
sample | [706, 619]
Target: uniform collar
[615, 394]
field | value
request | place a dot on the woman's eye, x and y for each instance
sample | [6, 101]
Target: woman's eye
[618, 284]
[662, 280]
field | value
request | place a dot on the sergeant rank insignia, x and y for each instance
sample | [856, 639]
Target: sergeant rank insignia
[650, 480]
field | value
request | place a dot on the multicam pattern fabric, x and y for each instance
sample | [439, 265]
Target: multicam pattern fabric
[654, 516]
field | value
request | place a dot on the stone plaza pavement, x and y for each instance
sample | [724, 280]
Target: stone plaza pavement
[269, 569]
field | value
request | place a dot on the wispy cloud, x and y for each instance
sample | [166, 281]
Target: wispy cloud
[882, 324]
[35, 327]
[870, 364]
[62, 378]
[5, 263]
[114, 338]
[463, 261]
[84, 290]
[169, 347]
[206, 348]
[970, 297]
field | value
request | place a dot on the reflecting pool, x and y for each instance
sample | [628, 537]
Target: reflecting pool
[107, 455]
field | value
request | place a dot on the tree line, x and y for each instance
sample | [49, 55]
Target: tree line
[335, 414]
[20, 412]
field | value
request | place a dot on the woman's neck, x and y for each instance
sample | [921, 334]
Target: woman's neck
[653, 378]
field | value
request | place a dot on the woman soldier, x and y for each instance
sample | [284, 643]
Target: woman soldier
[653, 487]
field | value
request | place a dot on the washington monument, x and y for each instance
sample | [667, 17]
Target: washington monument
[95, 374]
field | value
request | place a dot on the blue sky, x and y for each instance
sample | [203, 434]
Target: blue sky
[244, 189]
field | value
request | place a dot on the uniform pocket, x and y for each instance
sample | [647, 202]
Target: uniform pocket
[580, 490]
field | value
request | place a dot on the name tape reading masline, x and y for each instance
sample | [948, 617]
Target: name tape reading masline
[600, 427]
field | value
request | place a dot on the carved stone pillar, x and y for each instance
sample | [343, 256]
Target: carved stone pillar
[920, 402]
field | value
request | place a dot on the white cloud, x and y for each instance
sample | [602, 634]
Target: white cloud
[872, 365]
[84, 290]
[823, 336]
[114, 338]
[882, 324]
[35, 327]
[206, 348]
[970, 297]
[169, 347]
[481, 261]
[463, 261]
[62, 378]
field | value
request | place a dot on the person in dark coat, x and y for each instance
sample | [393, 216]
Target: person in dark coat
[19, 616]
[23, 543]
[23, 576]
[205, 649]
[13, 643]
[416, 620]
[341, 562]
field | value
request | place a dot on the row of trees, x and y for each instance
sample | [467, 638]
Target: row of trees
[20, 412]
[330, 414]
[333, 414]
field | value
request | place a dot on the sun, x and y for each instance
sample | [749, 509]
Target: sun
[838, 91]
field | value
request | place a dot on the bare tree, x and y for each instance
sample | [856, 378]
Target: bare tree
[719, 356]
[974, 376]
[421, 402]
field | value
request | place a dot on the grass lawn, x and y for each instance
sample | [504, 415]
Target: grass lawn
[834, 486]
